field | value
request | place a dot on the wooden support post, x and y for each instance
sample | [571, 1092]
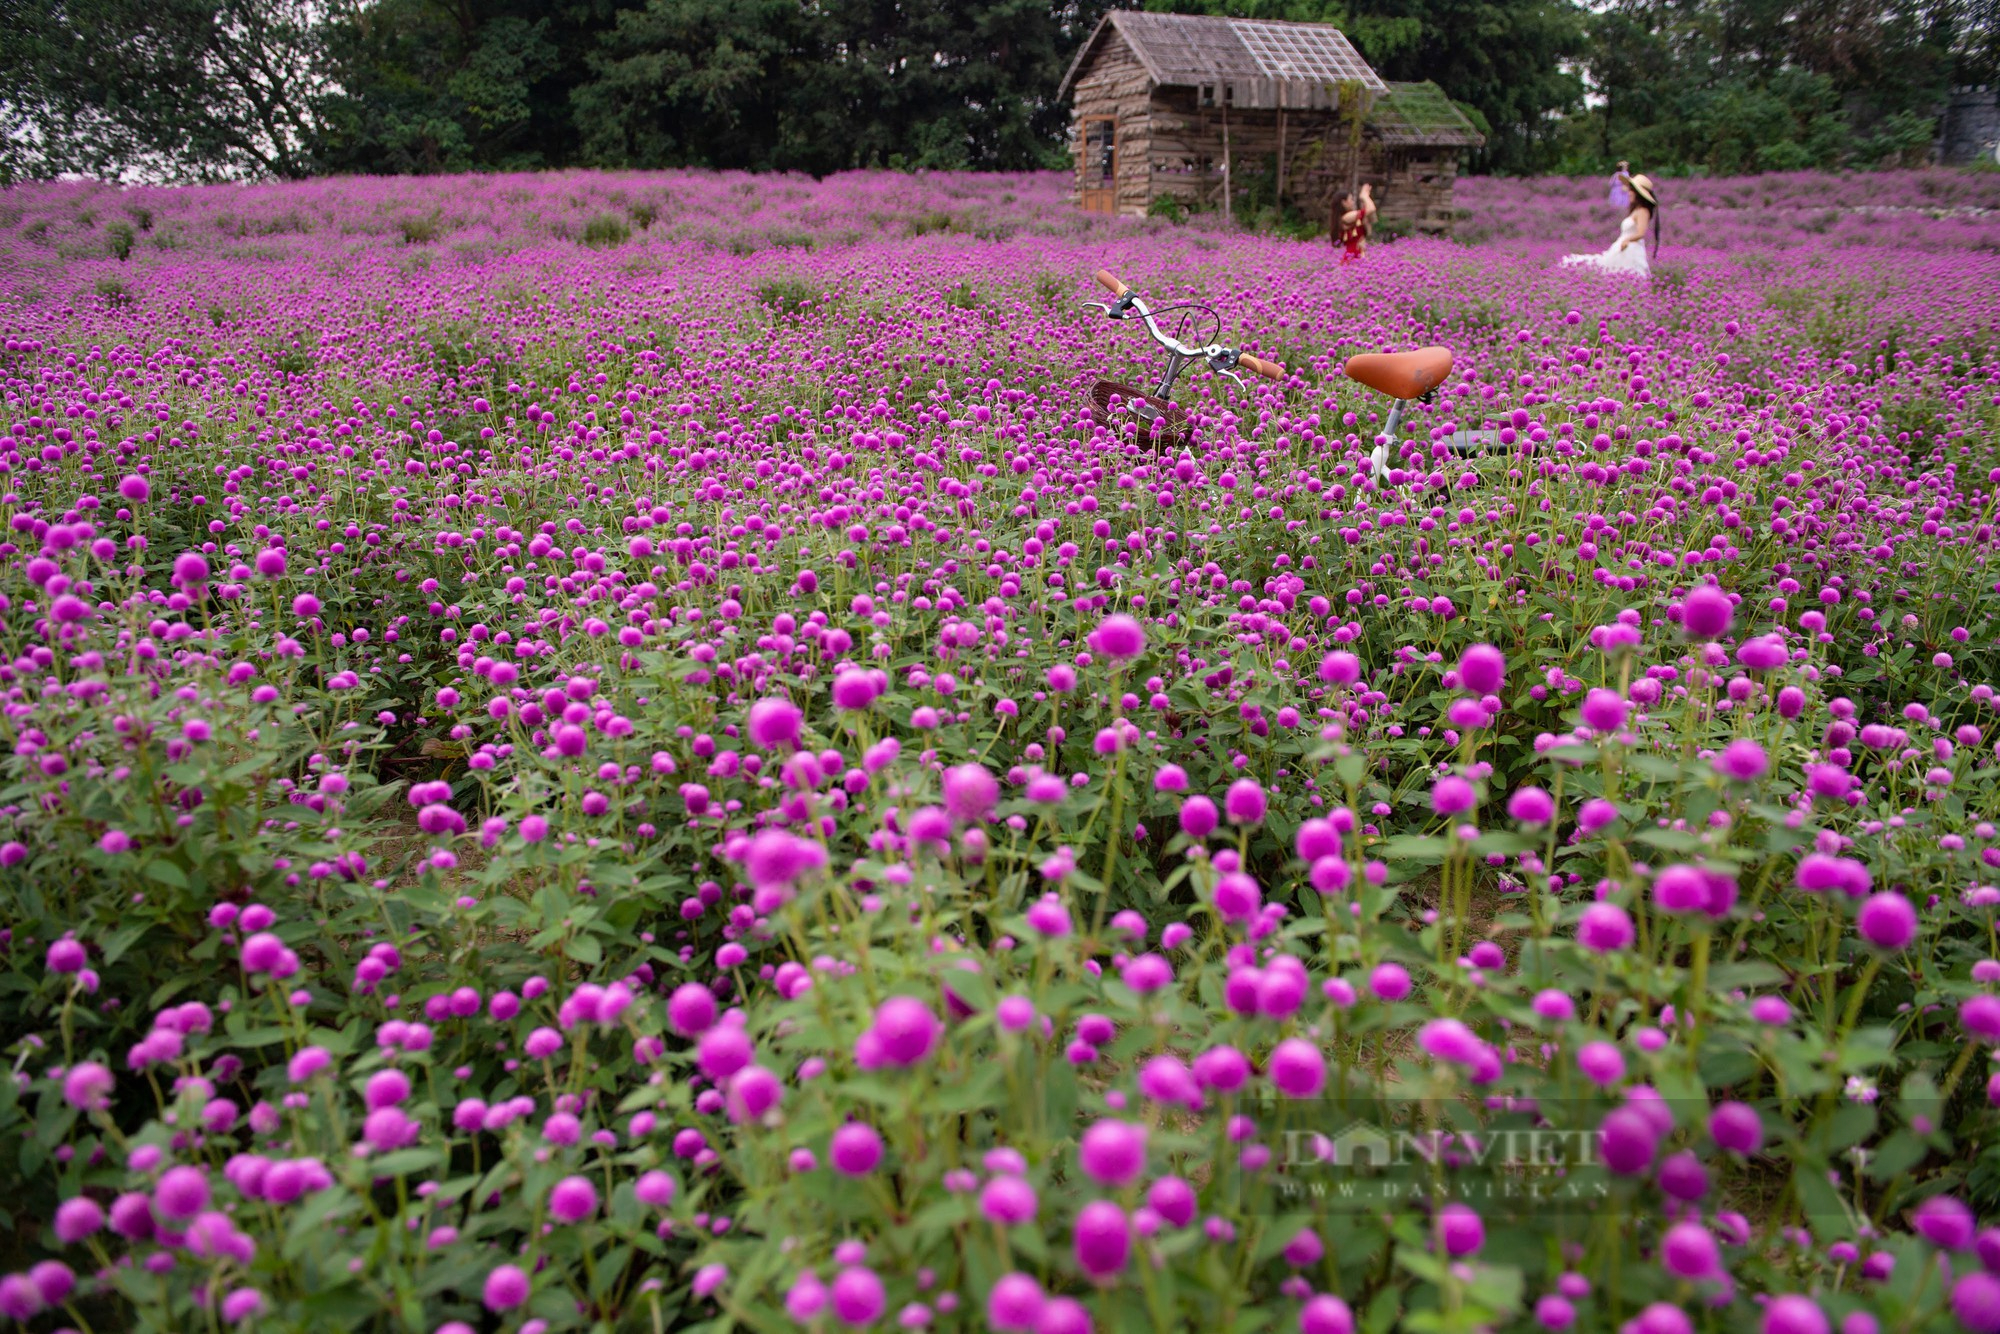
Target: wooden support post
[1228, 202]
[1281, 157]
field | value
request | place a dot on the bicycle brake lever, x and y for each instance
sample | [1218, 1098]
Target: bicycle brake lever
[1100, 307]
[1234, 376]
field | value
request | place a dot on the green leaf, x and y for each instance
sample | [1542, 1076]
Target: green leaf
[310, 1218]
[1897, 1154]
[167, 873]
[126, 937]
[404, 1162]
[1819, 1201]
[585, 950]
[1850, 1125]
[1744, 976]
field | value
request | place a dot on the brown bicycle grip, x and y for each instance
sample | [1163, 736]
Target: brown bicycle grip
[1270, 370]
[1111, 284]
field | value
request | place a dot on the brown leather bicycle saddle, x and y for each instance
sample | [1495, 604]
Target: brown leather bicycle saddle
[1401, 374]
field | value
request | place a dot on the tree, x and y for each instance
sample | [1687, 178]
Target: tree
[1760, 85]
[189, 89]
[842, 83]
[457, 85]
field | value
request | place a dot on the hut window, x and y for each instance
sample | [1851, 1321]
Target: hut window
[1100, 152]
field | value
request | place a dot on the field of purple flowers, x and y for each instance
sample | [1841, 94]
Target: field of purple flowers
[618, 752]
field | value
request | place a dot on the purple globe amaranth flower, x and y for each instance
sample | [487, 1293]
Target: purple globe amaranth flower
[691, 1009]
[1603, 710]
[1661, 1318]
[1888, 921]
[854, 690]
[76, 1218]
[1680, 889]
[906, 1030]
[654, 1188]
[1735, 1126]
[1120, 638]
[1482, 669]
[1706, 613]
[776, 858]
[1172, 1199]
[1007, 1200]
[1742, 761]
[1764, 653]
[1601, 1062]
[858, 1297]
[1627, 1141]
[1164, 1078]
[1452, 795]
[970, 793]
[572, 1200]
[87, 1086]
[182, 1193]
[723, 1050]
[20, 1299]
[1317, 838]
[1112, 1153]
[1596, 815]
[506, 1287]
[1450, 1040]
[1531, 805]
[1325, 1314]
[1555, 1312]
[1063, 1315]
[775, 724]
[1460, 1230]
[1682, 1177]
[855, 1149]
[1244, 803]
[1237, 897]
[1014, 1304]
[1605, 928]
[1980, 1016]
[1944, 1222]
[1296, 1068]
[1340, 668]
[1689, 1251]
[1792, 1313]
[1975, 1300]
[1198, 817]
[1102, 1239]
[1389, 982]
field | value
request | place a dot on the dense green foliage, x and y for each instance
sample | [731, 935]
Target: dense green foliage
[213, 89]
[1753, 85]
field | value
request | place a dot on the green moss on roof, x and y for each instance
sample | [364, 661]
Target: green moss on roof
[1414, 114]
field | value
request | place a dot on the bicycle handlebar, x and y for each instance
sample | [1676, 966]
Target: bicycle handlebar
[1220, 357]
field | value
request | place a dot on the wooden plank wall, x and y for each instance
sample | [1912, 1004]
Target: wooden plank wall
[1116, 84]
[1187, 144]
[1414, 185]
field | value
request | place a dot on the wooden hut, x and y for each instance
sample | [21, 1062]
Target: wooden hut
[1185, 107]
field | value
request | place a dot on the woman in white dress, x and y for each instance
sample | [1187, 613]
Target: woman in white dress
[1627, 254]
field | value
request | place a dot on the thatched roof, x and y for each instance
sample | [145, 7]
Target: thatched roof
[1413, 115]
[1264, 63]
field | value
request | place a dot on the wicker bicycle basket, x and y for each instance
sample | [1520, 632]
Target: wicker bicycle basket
[1157, 420]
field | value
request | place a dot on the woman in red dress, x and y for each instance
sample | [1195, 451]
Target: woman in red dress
[1355, 220]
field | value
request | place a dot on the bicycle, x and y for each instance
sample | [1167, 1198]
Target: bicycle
[1403, 376]
[1156, 414]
